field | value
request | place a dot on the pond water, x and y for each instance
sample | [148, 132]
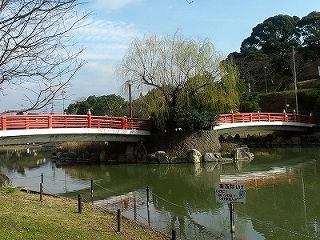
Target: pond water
[282, 192]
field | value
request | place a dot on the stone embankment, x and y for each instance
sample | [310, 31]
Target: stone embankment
[202, 146]
[195, 156]
[4, 180]
[178, 147]
[273, 140]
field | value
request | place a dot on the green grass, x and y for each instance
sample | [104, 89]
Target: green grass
[314, 83]
[23, 216]
[14, 147]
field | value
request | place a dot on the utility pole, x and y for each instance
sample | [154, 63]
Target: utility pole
[265, 78]
[63, 92]
[295, 78]
[130, 99]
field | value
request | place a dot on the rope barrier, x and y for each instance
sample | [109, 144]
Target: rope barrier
[155, 223]
[64, 180]
[15, 177]
[109, 190]
[167, 201]
[29, 186]
[145, 219]
[159, 211]
[47, 191]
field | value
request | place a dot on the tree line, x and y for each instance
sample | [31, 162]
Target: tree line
[265, 57]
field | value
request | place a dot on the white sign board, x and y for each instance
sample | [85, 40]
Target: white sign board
[230, 193]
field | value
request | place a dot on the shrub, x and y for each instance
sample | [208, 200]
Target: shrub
[194, 120]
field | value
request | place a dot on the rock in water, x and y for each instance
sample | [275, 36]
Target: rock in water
[194, 156]
[162, 157]
[212, 157]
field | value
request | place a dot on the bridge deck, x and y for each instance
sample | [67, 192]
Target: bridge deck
[17, 129]
[265, 117]
[9, 122]
[133, 128]
[265, 121]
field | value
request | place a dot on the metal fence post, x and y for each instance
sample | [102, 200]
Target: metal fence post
[41, 191]
[118, 220]
[232, 227]
[79, 203]
[91, 190]
[174, 235]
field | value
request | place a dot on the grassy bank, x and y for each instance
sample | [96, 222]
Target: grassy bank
[23, 216]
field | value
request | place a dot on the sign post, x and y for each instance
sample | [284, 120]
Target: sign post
[231, 193]
[232, 226]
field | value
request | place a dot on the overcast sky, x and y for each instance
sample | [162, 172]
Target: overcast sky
[113, 24]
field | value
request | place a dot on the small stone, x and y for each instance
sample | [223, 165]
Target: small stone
[162, 157]
[194, 156]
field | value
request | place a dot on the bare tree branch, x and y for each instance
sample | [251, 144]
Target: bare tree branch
[36, 49]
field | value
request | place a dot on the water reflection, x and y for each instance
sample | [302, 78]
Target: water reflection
[281, 198]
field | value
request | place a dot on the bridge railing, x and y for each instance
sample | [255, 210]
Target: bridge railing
[264, 117]
[8, 122]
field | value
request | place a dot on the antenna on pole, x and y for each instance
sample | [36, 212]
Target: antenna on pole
[295, 78]
[130, 99]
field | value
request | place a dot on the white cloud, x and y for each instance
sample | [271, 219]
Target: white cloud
[105, 39]
[104, 52]
[98, 30]
[106, 30]
[115, 4]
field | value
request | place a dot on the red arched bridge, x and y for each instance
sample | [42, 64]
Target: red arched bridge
[265, 121]
[16, 129]
[55, 128]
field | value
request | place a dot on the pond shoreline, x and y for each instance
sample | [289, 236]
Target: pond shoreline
[63, 207]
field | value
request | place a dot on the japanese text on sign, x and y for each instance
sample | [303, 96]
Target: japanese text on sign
[230, 193]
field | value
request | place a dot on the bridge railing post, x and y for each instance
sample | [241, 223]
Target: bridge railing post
[285, 116]
[124, 122]
[89, 119]
[312, 119]
[27, 123]
[250, 117]
[50, 121]
[294, 115]
[4, 122]
[232, 117]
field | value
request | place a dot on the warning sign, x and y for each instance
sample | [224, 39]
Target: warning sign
[230, 193]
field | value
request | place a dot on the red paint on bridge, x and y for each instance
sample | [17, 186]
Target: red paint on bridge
[8, 122]
[265, 117]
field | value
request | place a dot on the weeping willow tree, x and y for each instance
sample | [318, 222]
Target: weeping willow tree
[187, 79]
[221, 96]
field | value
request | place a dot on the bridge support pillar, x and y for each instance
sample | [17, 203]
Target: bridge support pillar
[131, 152]
[136, 152]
